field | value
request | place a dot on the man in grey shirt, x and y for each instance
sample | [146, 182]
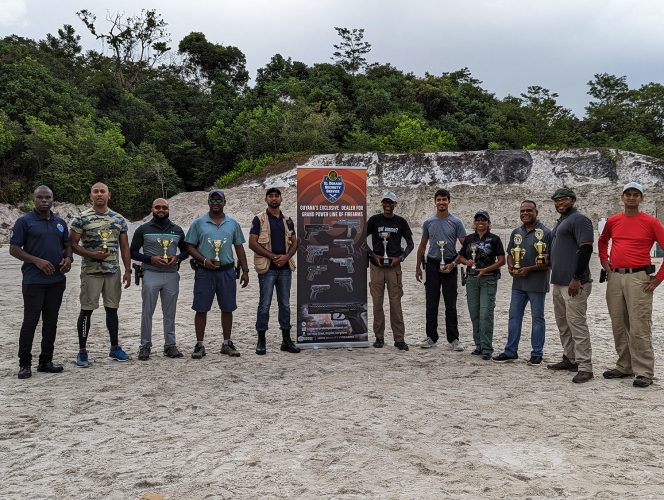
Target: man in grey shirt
[442, 230]
[571, 249]
[530, 283]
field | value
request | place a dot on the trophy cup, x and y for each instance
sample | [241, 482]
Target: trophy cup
[517, 252]
[105, 235]
[473, 254]
[165, 243]
[216, 246]
[385, 261]
[442, 244]
[540, 247]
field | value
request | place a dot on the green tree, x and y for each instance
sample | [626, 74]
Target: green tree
[412, 135]
[350, 52]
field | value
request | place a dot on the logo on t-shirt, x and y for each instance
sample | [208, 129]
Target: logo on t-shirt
[60, 227]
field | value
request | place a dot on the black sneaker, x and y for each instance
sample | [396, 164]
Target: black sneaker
[535, 360]
[477, 352]
[25, 372]
[401, 345]
[229, 349]
[172, 351]
[199, 351]
[380, 342]
[486, 357]
[50, 368]
[144, 353]
[639, 381]
[505, 358]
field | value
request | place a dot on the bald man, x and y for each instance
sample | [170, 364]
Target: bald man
[99, 236]
[159, 238]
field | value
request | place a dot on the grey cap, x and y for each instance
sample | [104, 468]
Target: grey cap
[482, 213]
[389, 195]
[216, 191]
[633, 185]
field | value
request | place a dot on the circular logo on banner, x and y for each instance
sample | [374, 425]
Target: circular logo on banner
[332, 186]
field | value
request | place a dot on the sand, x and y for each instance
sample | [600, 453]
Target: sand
[335, 423]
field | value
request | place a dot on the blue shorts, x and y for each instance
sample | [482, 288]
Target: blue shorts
[209, 283]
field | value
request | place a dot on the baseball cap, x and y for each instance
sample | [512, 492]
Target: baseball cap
[564, 192]
[218, 192]
[633, 185]
[273, 190]
[389, 195]
[482, 213]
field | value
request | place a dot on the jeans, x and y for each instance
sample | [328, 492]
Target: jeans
[517, 308]
[481, 296]
[281, 279]
[435, 280]
[44, 301]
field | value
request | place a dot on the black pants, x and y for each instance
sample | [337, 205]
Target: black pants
[435, 280]
[44, 301]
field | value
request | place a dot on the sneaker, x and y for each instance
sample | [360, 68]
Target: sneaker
[641, 381]
[172, 351]
[401, 345]
[614, 373]
[82, 360]
[199, 351]
[50, 368]
[144, 353]
[505, 358]
[380, 342]
[117, 354]
[486, 357]
[229, 349]
[427, 343]
[477, 352]
[565, 364]
[25, 372]
[457, 345]
[535, 360]
[582, 377]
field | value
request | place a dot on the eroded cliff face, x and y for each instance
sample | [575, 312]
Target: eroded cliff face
[493, 180]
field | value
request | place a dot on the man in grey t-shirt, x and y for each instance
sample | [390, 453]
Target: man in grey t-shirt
[571, 249]
[441, 231]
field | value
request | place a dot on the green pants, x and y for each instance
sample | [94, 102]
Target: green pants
[481, 296]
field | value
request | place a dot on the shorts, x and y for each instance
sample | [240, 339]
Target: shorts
[209, 283]
[108, 286]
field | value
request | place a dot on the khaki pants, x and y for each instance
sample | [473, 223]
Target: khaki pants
[570, 313]
[380, 278]
[630, 309]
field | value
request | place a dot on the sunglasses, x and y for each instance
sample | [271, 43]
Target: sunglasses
[216, 200]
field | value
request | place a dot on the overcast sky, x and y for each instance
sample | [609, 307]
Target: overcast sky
[507, 44]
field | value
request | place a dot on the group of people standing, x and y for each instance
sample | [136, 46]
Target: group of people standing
[535, 256]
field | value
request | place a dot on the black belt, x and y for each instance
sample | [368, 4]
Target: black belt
[224, 267]
[628, 270]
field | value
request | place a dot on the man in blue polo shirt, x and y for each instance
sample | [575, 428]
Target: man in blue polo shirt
[209, 242]
[41, 240]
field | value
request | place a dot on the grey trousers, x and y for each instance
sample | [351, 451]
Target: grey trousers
[166, 285]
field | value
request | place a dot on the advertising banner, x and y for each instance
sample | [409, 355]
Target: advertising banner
[332, 258]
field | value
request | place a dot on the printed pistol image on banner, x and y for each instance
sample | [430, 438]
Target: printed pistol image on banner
[332, 290]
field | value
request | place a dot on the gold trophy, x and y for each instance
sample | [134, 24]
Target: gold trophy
[385, 261]
[540, 247]
[104, 235]
[473, 254]
[216, 246]
[517, 252]
[442, 244]
[165, 243]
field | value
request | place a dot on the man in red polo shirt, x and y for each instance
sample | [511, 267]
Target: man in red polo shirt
[630, 285]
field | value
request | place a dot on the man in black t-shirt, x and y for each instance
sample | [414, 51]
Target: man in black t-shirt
[386, 231]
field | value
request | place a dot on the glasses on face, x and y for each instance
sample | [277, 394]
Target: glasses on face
[481, 219]
[558, 201]
[216, 200]
[160, 207]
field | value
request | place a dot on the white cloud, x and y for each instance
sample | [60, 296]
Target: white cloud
[12, 12]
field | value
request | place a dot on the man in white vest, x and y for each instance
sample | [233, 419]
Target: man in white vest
[273, 241]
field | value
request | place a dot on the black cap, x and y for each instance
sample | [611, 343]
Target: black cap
[272, 190]
[482, 213]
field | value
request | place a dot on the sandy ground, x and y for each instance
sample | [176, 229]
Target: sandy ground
[335, 423]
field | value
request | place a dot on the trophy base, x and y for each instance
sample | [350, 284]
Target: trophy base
[540, 262]
[215, 262]
[385, 262]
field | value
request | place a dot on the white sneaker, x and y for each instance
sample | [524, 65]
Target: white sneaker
[457, 345]
[427, 343]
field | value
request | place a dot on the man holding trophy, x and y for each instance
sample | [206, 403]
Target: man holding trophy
[386, 231]
[209, 242]
[99, 236]
[528, 264]
[159, 238]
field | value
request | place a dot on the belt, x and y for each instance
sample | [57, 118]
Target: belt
[628, 270]
[223, 267]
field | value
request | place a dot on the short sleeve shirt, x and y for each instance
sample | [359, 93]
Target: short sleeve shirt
[536, 281]
[96, 229]
[570, 231]
[396, 227]
[487, 248]
[42, 238]
[203, 232]
[448, 229]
